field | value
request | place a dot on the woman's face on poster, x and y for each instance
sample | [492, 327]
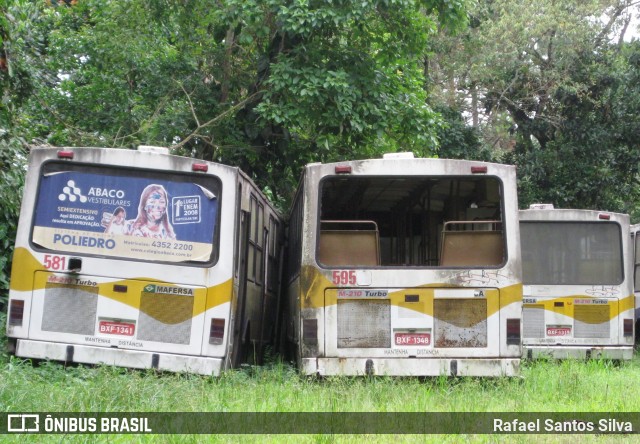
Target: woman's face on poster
[156, 206]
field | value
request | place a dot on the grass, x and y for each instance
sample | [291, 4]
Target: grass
[546, 386]
[566, 386]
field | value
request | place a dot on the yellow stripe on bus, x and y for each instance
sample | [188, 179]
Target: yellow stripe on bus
[619, 305]
[316, 298]
[25, 265]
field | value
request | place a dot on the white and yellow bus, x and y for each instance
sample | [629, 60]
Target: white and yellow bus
[405, 266]
[141, 259]
[578, 283]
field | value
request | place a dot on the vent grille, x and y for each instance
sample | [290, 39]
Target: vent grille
[592, 321]
[70, 309]
[533, 317]
[165, 318]
[364, 323]
[460, 323]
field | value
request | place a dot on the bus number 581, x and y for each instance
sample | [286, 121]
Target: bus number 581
[52, 262]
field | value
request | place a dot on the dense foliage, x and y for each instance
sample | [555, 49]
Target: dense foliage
[12, 161]
[552, 87]
[267, 85]
[592, 159]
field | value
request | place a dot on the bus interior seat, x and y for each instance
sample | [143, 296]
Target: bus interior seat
[349, 243]
[471, 247]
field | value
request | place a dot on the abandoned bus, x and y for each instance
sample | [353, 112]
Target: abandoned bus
[405, 266]
[141, 259]
[578, 288]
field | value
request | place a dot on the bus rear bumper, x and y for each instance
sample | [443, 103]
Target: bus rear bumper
[411, 367]
[577, 352]
[86, 354]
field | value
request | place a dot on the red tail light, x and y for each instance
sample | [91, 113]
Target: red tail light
[513, 331]
[604, 216]
[216, 333]
[478, 170]
[628, 328]
[16, 313]
[343, 169]
[202, 167]
[62, 154]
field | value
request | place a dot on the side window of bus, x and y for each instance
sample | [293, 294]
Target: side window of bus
[261, 235]
[238, 235]
[636, 241]
[294, 240]
[253, 236]
[256, 241]
[272, 251]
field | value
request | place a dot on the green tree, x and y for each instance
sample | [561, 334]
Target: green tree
[457, 140]
[549, 85]
[21, 42]
[593, 161]
[267, 85]
[12, 169]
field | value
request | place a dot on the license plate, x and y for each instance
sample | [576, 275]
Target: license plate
[117, 328]
[413, 338]
[558, 331]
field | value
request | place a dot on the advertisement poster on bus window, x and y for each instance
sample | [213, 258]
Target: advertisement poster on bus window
[120, 216]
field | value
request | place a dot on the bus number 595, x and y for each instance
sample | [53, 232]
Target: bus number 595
[344, 277]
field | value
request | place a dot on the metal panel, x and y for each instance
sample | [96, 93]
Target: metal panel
[533, 321]
[364, 323]
[165, 318]
[118, 356]
[592, 321]
[70, 309]
[434, 366]
[460, 323]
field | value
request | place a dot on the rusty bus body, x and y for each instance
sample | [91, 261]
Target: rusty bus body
[578, 283]
[142, 259]
[405, 266]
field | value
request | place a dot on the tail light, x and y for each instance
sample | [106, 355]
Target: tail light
[201, 167]
[216, 333]
[310, 331]
[478, 170]
[16, 313]
[513, 331]
[628, 328]
[65, 154]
